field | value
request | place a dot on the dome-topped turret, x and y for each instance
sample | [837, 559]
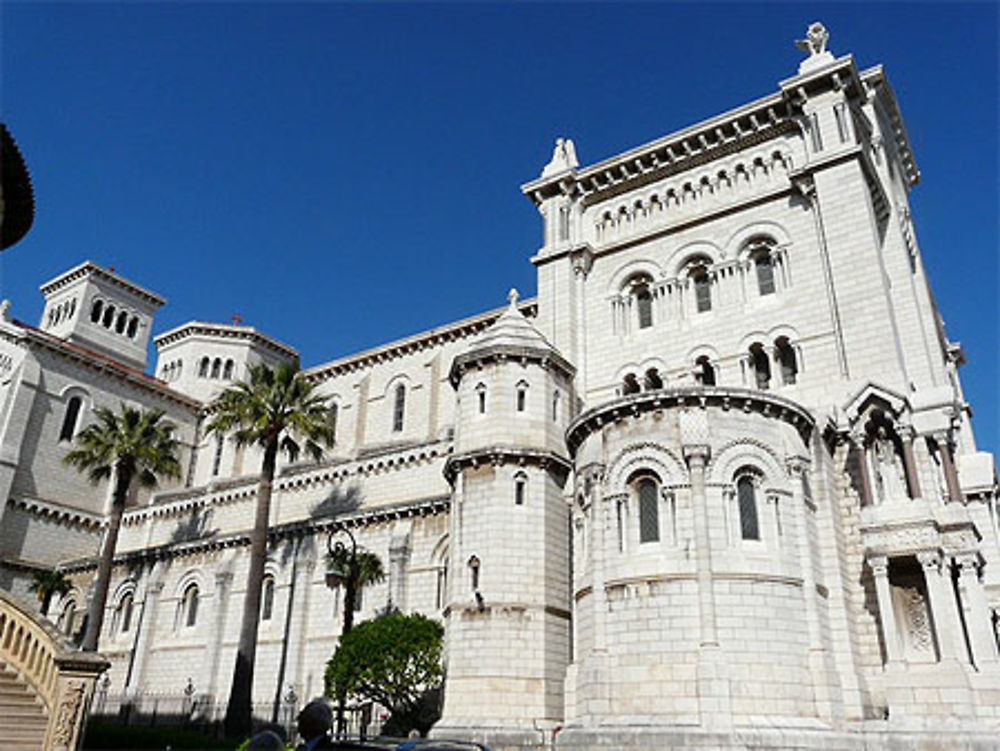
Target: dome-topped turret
[514, 336]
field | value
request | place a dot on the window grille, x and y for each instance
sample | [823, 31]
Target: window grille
[649, 514]
[765, 274]
[69, 420]
[398, 408]
[746, 496]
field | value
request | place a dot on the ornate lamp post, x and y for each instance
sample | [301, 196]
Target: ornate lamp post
[335, 576]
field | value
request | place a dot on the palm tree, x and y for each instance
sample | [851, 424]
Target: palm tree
[130, 446]
[354, 570]
[47, 584]
[271, 409]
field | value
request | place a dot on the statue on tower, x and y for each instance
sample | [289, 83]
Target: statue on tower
[563, 157]
[815, 43]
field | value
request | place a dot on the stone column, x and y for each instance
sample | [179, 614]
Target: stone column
[944, 608]
[910, 462]
[977, 613]
[297, 631]
[821, 673]
[883, 594]
[858, 442]
[948, 464]
[399, 556]
[223, 584]
[714, 700]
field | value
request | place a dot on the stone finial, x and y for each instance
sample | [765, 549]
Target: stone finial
[815, 43]
[563, 157]
[512, 297]
[5, 310]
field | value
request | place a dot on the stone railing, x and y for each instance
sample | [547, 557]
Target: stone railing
[49, 666]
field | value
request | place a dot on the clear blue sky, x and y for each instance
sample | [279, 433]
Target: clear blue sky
[344, 174]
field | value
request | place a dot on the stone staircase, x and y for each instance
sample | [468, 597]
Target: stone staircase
[23, 720]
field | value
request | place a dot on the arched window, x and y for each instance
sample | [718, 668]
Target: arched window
[216, 367]
[702, 289]
[189, 606]
[704, 373]
[481, 398]
[109, 317]
[765, 272]
[520, 488]
[652, 380]
[474, 572]
[522, 396]
[630, 385]
[123, 614]
[178, 368]
[267, 599]
[647, 490]
[227, 372]
[96, 309]
[133, 327]
[203, 367]
[398, 408]
[786, 358]
[644, 306]
[760, 366]
[746, 495]
[68, 429]
[67, 619]
[555, 405]
[121, 323]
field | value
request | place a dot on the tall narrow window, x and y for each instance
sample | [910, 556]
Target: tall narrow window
[481, 398]
[217, 459]
[121, 323]
[765, 272]
[96, 310]
[520, 486]
[652, 381]
[267, 599]
[704, 372]
[216, 367]
[442, 585]
[474, 572]
[398, 408]
[68, 618]
[747, 498]
[644, 305]
[203, 368]
[649, 512]
[760, 366]
[786, 358]
[109, 317]
[189, 606]
[125, 614]
[630, 385]
[522, 396]
[227, 372]
[68, 429]
[555, 406]
[133, 327]
[620, 519]
[702, 291]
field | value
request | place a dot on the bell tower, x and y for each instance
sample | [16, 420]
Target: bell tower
[508, 606]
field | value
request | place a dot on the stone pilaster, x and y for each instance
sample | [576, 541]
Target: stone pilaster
[223, 586]
[858, 443]
[910, 462]
[147, 632]
[944, 608]
[948, 465]
[887, 616]
[977, 614]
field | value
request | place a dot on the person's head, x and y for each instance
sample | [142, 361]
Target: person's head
[315, 719]
[266, 740]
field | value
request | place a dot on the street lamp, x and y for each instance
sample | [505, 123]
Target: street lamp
[335, 577]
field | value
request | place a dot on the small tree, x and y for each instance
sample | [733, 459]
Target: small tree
[360, 569]
[47, 584]
[126, 447]
[394, 660]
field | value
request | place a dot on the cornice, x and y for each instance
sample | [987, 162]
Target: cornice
[299, 477]
[89, 268]
[425, 340]
[57, 512]
[357, 519]
[724, 398]
[223, 331]
[875, 78]
[498, 455]
[498, 353]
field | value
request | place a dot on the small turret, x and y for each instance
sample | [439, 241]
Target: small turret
[508, 608]
[96, 308]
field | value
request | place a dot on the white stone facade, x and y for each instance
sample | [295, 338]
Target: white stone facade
[716, 486]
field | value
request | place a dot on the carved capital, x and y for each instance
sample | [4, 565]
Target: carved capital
[968, 564]
[930, 560]
[797, 465]
[696, 455]
[805, 186]
[879, 565]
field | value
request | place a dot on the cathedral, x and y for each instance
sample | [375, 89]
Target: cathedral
[716, 485]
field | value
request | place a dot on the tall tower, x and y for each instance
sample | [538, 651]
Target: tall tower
[508, 605]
